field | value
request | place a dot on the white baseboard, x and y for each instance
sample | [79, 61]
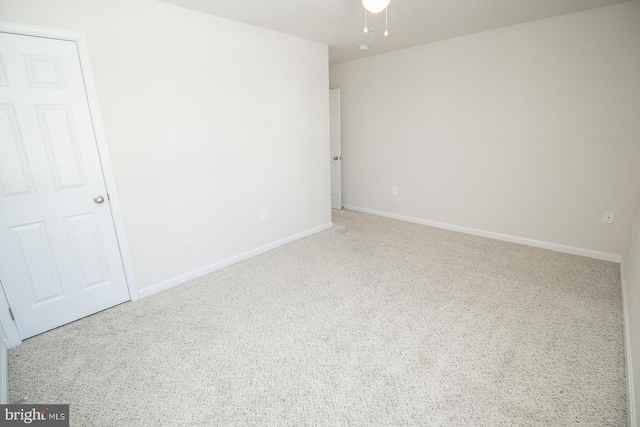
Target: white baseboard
[505, 237]
[153, 289]
[631, 395]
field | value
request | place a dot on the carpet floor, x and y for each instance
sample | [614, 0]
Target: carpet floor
[373, 322]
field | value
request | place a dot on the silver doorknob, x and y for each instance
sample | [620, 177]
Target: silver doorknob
[335, 158]
[98, 199]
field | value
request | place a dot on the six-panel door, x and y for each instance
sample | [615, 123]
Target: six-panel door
[59, 256]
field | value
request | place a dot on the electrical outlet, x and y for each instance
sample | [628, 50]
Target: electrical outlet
[264, 215]
[608, 217]
[394, 190]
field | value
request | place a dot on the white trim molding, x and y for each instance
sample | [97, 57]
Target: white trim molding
[4, 368]
[631, 395]
[154, 289]
[11, 332]
[101, 143]
[498, 236]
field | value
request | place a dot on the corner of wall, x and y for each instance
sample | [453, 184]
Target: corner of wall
[631, 398]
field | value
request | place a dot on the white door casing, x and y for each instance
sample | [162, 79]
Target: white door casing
[4, 368]
[60, 251]
[335, 151]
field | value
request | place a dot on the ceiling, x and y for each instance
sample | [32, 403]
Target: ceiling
[339, 23]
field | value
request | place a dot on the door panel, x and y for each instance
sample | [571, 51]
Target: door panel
[59, 256]
[87, 249]
[15, 176]
[61, 144]
[39, 269]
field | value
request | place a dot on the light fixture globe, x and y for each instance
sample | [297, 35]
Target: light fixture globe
[375, 6]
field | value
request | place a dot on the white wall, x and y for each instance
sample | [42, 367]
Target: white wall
[631, 291]
[207, 122]
[530, 131]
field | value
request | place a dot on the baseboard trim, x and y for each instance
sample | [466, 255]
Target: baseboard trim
[505, 237]
[631, 395]
[159, 287]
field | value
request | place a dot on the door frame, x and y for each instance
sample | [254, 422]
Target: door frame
[13, 336]
[336, 94]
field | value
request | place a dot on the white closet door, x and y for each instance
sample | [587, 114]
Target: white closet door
[59, 256]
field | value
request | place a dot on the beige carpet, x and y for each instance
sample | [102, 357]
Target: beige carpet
[374, 322]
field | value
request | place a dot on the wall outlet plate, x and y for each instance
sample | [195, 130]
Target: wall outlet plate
[608, 217]
[394, 190]
[264, 215]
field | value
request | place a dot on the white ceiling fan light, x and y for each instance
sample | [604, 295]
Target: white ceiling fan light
[375, 6]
